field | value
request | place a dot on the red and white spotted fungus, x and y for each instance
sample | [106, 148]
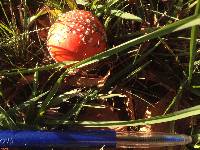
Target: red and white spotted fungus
[76, 35]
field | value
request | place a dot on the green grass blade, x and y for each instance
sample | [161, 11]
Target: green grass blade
[35, 83]
[64, 97]
[140, 68]
[50, 96]
[75, 110]
[178, 95]
[131, 69]
[5, 120]
[193, 43]
[25, 104]
[196, 140]
[5, 15]
[185, 113]
[82, 2]
[72, 4]
[5, 28]
[125, 15]
[43, 11]
[31, 70]
[110, 3]
[25, 14]
[80, 104]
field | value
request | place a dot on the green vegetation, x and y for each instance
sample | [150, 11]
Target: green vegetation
[153, 49]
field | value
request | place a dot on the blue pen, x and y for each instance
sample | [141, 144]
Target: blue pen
[89, 138]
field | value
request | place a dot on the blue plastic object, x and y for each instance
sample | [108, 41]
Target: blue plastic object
[42, 139]
[89, 138]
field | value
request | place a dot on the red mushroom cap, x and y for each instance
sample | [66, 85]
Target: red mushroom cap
[76, 35]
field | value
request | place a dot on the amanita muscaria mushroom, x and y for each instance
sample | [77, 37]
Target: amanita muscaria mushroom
[76, 35]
